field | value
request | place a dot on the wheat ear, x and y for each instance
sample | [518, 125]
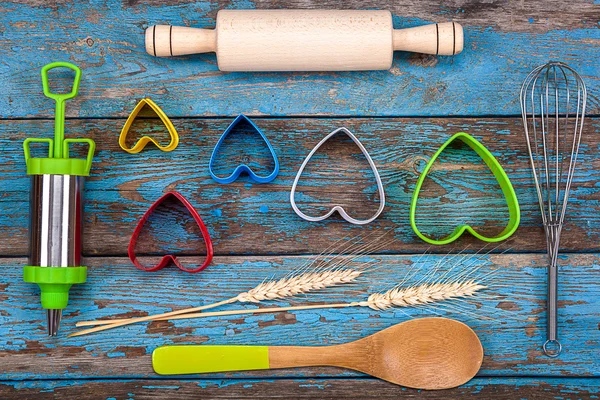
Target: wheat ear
[270, 290]
[423, 294]
[397, 297]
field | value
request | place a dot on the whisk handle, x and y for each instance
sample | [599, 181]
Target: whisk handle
[552, 347]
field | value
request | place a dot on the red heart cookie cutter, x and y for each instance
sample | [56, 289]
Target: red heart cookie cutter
[169, 257]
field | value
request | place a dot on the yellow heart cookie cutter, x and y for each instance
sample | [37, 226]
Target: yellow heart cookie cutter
[139, 146]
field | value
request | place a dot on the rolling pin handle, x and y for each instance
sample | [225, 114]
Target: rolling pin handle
[168, 41]
[445, 39]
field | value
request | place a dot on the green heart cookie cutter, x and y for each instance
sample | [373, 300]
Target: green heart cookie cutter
[502, 179]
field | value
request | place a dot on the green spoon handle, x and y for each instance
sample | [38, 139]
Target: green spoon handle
[194, 359]
[60, 99]
[176, 360]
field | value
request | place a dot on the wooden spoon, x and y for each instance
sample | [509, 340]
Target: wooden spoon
[426, 353]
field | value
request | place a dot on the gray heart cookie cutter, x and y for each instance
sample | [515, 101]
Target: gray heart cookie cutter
[339, 208]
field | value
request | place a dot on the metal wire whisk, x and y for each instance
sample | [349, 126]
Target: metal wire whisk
[553, 99]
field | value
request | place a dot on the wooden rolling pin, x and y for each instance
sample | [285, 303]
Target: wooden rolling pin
[304, 40]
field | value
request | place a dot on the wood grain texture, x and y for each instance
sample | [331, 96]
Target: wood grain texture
[123, 186]
[509, 319]
[107, 42]
[251, 389]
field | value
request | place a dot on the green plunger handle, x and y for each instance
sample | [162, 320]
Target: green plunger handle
[27, 150]
[90, 155]
[60, 98]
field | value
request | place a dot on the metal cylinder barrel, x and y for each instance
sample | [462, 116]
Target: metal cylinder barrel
[56, 220]
[55, 240]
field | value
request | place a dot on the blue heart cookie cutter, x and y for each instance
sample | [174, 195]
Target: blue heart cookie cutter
[243, 167]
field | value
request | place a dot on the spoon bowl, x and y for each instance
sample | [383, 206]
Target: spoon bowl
[427, 353]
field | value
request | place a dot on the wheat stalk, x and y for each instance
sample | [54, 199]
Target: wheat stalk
[322, 273]
[269, 290]
[411, 296]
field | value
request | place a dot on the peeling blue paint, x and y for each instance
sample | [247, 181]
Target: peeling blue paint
[115, 354]
[312, 385]
[168, 387]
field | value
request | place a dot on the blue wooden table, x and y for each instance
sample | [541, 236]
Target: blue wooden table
[402, 116]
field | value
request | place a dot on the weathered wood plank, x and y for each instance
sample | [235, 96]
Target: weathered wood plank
[509, 318]
[242, 389]
[251, 218]
[504, 41]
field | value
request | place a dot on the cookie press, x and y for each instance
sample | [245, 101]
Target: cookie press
[56, 207]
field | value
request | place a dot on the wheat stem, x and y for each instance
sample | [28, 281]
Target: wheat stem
[127, 321]
[122, 322]
[231, 312]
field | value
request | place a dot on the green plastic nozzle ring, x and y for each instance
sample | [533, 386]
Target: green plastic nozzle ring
[54, 283]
